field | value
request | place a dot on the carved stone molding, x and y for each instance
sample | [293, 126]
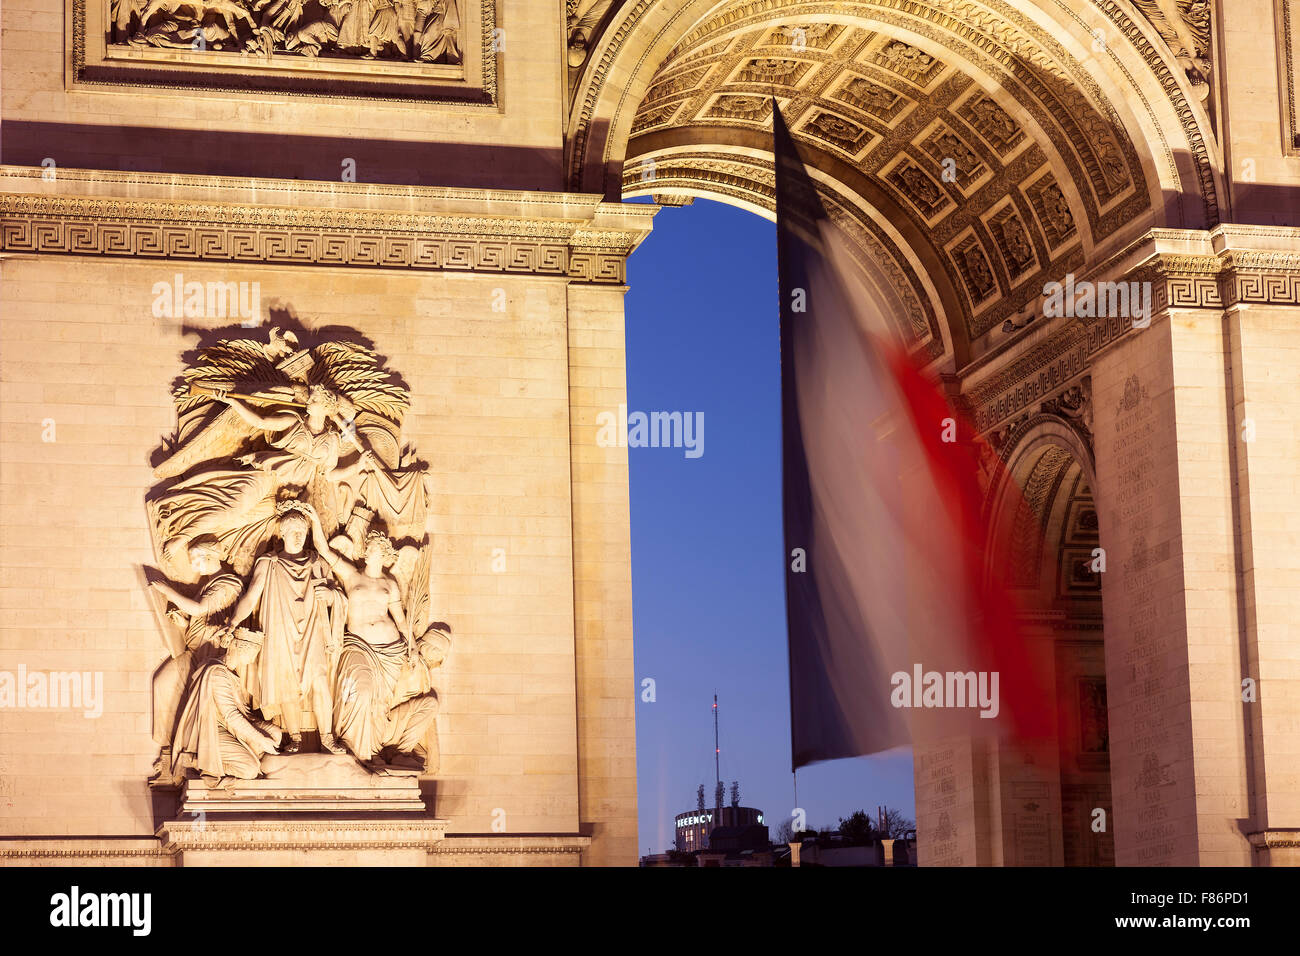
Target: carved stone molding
[506, 849]
[1234, 278]
[1288, 39]
[506, 844]
[1031, 378]
[1178, 281]
[993, 33]
[181, 836]
[1030, 520]
[1269, 839]
[417, 840]
[570, 237]
[1070, 409]
[85, 856]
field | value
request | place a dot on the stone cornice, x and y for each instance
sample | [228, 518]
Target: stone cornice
[82, 853]
[1187, 269]
[159, 216]
[512, 844]
[1267, 839]
[216, 834]
[213, 833]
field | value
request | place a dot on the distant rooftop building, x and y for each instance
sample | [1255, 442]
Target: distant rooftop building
[745, 845]
[832, 851]
[693, 827]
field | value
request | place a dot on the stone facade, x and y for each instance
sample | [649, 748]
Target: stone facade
[494, 362]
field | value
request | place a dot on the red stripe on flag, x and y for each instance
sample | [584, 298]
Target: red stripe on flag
[996, 638]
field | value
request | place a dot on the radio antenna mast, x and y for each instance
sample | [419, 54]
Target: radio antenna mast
[717, 751]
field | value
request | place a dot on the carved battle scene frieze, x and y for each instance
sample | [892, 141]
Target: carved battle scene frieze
[433, 50]
[425, 31]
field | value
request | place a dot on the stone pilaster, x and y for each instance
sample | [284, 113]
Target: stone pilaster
[602, 578]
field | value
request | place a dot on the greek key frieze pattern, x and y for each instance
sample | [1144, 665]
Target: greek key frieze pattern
[1178, 282]
[48, 234]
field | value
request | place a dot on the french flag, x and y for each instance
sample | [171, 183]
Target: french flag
[894, 617]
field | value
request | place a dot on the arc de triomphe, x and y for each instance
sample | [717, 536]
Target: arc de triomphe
[439, 183]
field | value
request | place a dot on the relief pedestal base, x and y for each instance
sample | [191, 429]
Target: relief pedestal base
[308, 810]
[316, 841]
[306, 783]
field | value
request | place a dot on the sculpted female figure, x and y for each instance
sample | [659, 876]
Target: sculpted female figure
[202, 619]
[202, 616]
[217, 734]
[375, 709]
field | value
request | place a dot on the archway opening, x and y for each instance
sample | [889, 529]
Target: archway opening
[972, 158]
[1047, 547]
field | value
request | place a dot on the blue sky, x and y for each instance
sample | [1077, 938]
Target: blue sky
[707, 584]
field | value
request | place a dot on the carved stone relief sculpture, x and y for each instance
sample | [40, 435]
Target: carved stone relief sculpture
[1185, 26]
[404, 30]
[583, 19]
[287, 468]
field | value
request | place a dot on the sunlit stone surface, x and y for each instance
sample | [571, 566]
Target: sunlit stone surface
[438, 184]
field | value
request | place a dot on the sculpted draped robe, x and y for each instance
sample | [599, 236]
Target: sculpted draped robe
[216, 733]
[381, 700]
[173, 676]
[296, 627]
